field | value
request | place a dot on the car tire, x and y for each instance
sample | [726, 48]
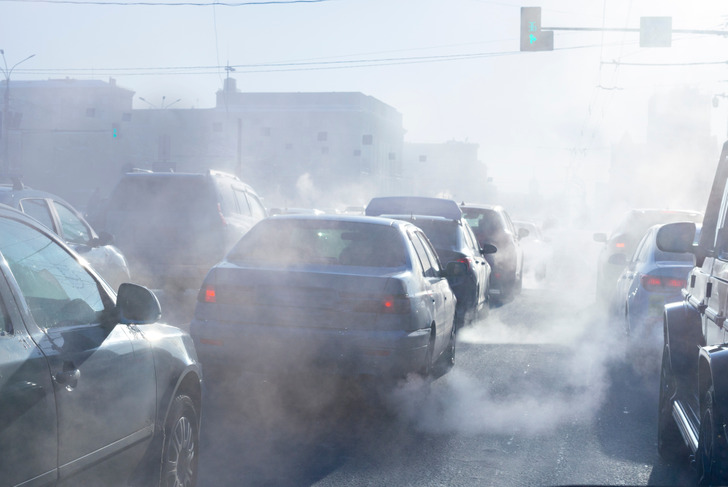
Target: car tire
[446, 361]
[710, 458]
[670, 444]
[427, 367]
[180, 452]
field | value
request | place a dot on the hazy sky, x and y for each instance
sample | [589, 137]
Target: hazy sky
[451, 67]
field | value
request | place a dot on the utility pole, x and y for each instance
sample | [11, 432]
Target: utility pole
[6, 109]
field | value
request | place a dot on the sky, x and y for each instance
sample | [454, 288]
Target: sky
[452, 68]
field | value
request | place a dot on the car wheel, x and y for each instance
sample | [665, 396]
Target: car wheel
[446, 361]
[426, 370]
[181, 444]
[710, 459]
[670, 444]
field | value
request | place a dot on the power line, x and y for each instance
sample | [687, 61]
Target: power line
[170, 4]
[282, 67]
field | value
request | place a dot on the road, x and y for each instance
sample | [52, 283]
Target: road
[543, 393]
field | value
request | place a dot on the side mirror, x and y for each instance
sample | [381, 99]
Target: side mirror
[456, 269]
[488, 249]
[600, 237]
[679, 237]
[104, 238]
[137, 305]
[523, 233]
[618, 259]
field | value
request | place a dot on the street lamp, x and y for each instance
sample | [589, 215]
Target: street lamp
[6, 107]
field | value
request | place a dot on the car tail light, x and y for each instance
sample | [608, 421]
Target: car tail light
[222, 217]
[386, 304]
[468, 261]
[619, 245]
[207, 295]
[664, 284]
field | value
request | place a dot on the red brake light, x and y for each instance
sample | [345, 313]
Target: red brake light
[657, 283]
[207, 294]
[467, 261]
[386, 304]
[222, 217]
[619, 245]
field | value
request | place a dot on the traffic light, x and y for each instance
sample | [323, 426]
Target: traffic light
[532, 37]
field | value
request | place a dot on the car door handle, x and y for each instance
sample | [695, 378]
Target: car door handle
[68, 378]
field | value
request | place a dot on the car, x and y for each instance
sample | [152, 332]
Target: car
[694, 369]
[536, 249]
[623, 240]
[348, 296]
[67, 222]
[94, 389]
[174, 226]
[651, 279]
[453, 239]
[493, 225]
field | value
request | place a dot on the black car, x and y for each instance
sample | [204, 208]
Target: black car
[93, 389]
[453, 239]
[174, 226]
[693, 409]
[67, 222]
[493, 225]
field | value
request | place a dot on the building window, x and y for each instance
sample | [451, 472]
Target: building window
[324, 150]
[323, 136]
[217, 126]
[91, 112]
[392, 156]
[265, 131]
[357, 153]
[367, 139]
[423, 158]
[126, 117]
[289, 146]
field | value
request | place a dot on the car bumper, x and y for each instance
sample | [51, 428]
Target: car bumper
[227, 350]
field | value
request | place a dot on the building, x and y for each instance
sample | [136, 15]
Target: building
[63, 135]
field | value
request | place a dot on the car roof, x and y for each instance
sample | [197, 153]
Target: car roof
[12, 194]
[481, 206]
[218, 175]
[336, 217]
[414, 205]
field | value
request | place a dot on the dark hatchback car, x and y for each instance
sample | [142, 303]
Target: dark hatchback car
[493, 225]
[58, 215]
[93, 389]
[174, 226]
[453, 239]
[621, 244]
[339, 295]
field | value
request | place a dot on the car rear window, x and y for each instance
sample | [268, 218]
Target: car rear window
[279, 242]
[443, 234]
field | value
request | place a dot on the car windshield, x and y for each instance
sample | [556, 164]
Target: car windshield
[203, 140]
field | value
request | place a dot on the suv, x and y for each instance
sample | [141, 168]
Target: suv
[693, 400]
[453, 240]
[70, 225]
[173, 227]
[93, 390]
[492, 224]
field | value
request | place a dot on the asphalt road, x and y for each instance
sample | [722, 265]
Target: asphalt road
[543, 393]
